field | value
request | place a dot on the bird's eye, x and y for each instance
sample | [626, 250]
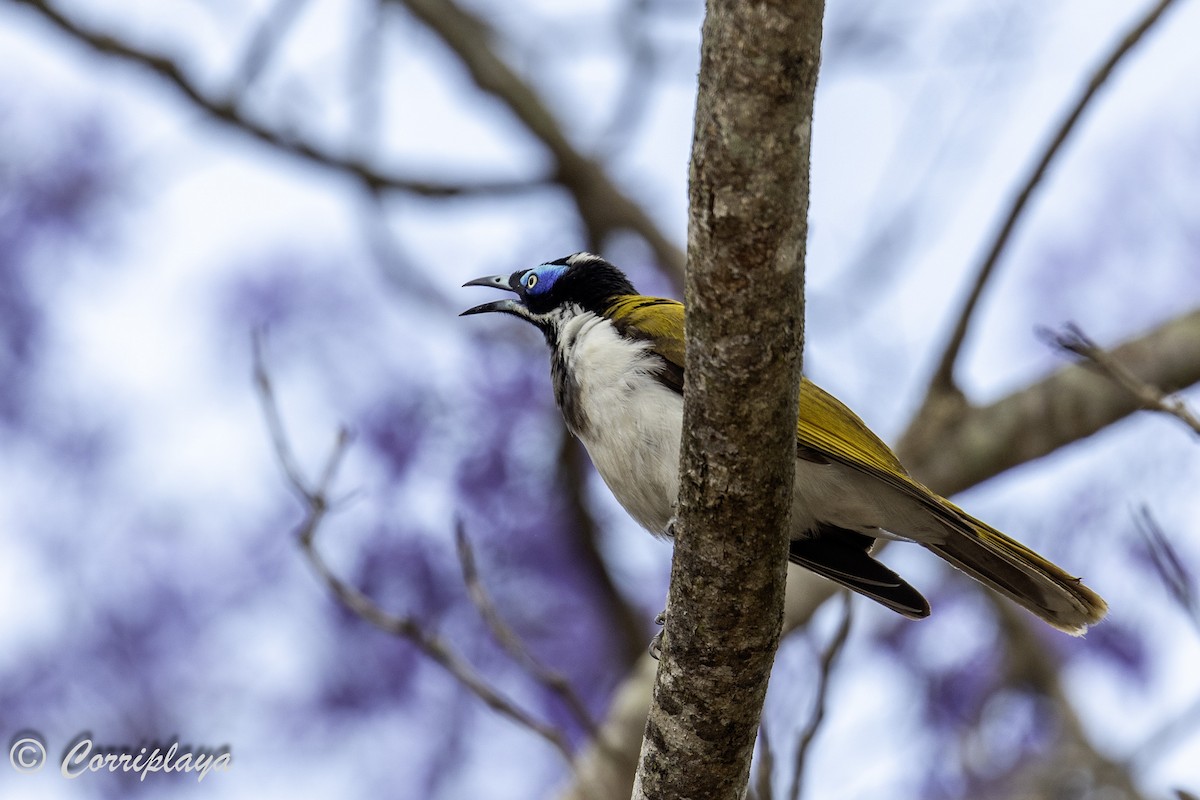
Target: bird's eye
[531, 281]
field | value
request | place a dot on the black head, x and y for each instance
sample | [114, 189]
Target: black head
[576, 283]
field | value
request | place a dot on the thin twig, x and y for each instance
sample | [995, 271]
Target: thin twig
[1074, 340]
[265, 42]
[508, 639]
[1180, 582]
[824, 671]
[226, 110]
[944, 376]
[316, 499]
[266, 394]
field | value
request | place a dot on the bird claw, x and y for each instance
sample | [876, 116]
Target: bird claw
[669, 532]
[656, 643]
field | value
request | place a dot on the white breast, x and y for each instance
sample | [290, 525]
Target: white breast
[631, 425]
[633, 422]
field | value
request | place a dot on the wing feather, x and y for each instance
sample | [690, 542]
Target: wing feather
[659, 321]
[828, 426]
[827, 430]
[825, 424]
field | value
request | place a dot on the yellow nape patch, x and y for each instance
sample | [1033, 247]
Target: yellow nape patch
[656, 319]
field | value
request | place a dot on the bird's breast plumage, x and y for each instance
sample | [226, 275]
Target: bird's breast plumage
[631, 424]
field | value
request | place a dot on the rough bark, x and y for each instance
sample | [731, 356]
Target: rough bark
[746, 237]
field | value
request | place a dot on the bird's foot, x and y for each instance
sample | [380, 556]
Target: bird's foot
[656, 642]
[669, 532]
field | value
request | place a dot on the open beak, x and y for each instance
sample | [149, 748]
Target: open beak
[507, 305]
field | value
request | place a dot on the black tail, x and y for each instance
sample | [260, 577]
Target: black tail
[844, 557]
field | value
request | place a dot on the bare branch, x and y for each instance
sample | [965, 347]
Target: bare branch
[508, 639]
[1074, 340]
[957, 450]
[226, 110]
[824, 671]
[434, 648]
[943, 379]
[603, 207]
[316, 499]
[270, 407]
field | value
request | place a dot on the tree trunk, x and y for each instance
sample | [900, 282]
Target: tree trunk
[745, 278]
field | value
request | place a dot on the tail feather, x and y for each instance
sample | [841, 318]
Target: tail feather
[844, 557]
[1020, 574]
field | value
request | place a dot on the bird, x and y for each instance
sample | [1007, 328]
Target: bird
[617, 369]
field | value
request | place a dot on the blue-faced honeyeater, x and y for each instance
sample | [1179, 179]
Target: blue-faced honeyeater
[617, 359]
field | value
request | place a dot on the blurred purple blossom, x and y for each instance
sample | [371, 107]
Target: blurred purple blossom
[393, 430]
[46, 202]
[955, 696]
[283, 290]
[1122, 647]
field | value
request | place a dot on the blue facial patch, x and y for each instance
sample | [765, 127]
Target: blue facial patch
[540, 280]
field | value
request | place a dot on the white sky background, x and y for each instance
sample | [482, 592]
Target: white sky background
[207, 202]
